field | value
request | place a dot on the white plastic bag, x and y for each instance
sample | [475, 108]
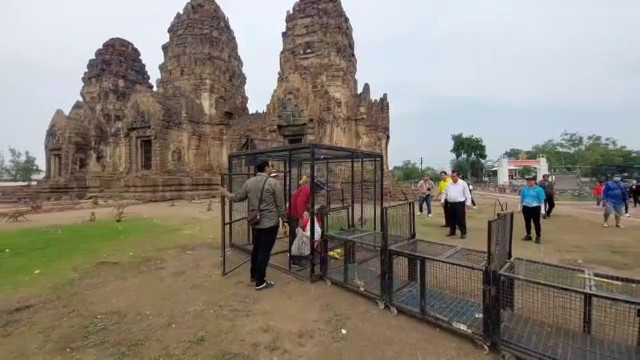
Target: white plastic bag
[301, 245]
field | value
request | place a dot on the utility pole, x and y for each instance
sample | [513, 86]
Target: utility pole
[421, 165]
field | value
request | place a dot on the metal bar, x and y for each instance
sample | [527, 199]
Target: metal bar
[353, 191]
[223, 229]
[381, 190]
[345, 262]
[362, 192]
[390, 283]
[327, 192]
[375, 195]
[312, 211]
[623, 299]
[587, 307]
[423, 286]
[291, 231]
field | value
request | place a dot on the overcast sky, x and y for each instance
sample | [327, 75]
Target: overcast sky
[514, 72]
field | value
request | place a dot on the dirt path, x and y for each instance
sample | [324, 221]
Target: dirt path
[175, 305]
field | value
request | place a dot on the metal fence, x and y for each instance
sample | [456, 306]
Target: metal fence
[560, 312]
[357, 258]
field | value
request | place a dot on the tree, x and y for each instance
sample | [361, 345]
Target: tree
[410, 171]
[21, 167]
[2, 166]
[527, 171]
[470, 153]
[513, 153]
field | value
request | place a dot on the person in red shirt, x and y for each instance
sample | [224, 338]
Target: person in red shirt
[597, 192]
[298, 211]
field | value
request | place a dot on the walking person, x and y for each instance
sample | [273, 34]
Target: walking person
[425, 187]
[473, 200]
[635, 193]
[597, 192]
[459, 198]
[531, 201]
[266, 212]
[297, 212]
[549, 191]
[614, 197]
[627, 188]
[444, 181]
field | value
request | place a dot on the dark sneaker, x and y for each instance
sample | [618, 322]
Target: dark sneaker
[538, 240]
[463, 236]
[544, 216]
[527, 238]
[265, 285]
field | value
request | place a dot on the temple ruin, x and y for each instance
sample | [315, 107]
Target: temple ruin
[126, 138]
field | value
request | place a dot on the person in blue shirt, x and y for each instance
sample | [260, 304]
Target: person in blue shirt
[531, 201]
[614, 197]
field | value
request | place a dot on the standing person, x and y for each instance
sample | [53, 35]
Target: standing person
[425, 187]
[444, 181]
[597, 192]
[459, 198]
[473, 201]
[614, 197]
[549, 191]
[298, 211]
[635, 193]
[627, 189]
[531, 201]
[265, 195]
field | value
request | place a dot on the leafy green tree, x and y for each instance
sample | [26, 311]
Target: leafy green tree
[21, 167]
[527, 171]
[513, 153]
[410, 171]
[2, 166]
[470, 152]
[599, 156]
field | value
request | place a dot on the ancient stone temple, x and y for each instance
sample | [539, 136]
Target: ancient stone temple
[125, 138]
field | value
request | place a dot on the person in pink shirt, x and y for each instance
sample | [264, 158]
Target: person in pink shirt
[425, 187]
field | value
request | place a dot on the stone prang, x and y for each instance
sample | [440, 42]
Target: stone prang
[125, 138]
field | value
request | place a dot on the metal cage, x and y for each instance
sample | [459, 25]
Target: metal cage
[357, 258]
[353, 200]
[559, 312]
[449, 285]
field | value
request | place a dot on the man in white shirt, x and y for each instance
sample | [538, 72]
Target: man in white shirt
[458, 196]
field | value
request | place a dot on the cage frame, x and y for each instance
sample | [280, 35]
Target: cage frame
[312, 155]
[386, 239]
[588, 293]
[499, 250]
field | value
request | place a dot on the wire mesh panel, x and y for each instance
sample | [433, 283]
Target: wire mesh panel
[440, 283]
[400, 222]
[557, 312]
[500, 240]
[343, 190]
[356, 265]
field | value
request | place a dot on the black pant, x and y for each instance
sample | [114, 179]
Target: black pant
[636, 199]
[263, 241]
[532, 213]
[447, 213]
[549, 205]
[457, 217]
[473, 200]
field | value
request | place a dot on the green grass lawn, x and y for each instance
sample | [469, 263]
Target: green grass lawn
[35, 258]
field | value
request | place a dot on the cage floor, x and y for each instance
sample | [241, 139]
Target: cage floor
[358, 276]
[373, 238]
[461, 313]
[560, 343]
